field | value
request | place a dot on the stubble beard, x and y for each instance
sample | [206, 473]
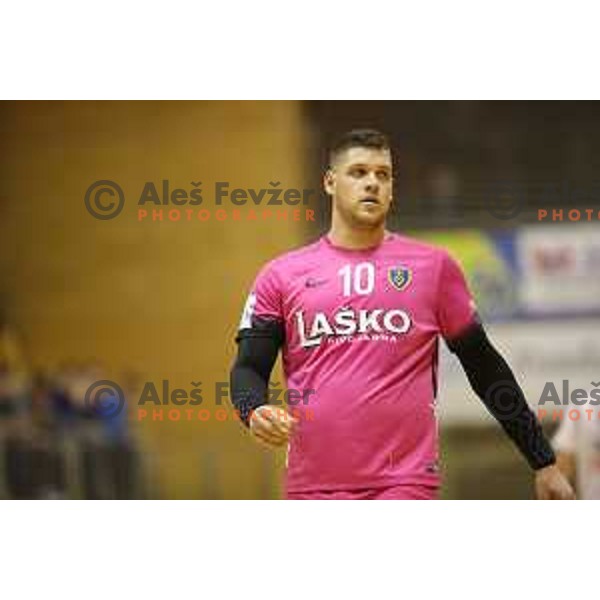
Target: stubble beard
[356, 219]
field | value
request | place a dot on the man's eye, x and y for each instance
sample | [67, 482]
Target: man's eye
[358, 173]
[383, 175]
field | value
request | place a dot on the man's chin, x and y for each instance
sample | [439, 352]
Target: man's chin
[366, 220]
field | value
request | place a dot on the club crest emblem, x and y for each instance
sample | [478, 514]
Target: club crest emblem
[399, 277]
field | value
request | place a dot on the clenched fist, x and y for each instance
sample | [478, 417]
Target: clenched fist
[271, 425]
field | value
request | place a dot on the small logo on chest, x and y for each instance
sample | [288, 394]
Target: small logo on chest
[399, 277]
[312, 282]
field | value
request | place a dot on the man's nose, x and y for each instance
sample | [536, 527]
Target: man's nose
[371, 183]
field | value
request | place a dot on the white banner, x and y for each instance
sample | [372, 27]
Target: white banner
[559, 268]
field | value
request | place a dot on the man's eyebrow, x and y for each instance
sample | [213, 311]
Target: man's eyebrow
[385, 167]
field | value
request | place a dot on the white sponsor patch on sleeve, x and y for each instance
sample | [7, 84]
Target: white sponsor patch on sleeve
[246, 322]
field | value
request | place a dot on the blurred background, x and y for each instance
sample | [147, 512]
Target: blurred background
[135, 300]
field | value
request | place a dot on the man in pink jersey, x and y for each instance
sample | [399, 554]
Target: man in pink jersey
[358, 315]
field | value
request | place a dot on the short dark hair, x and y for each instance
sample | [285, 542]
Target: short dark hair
[359, 138]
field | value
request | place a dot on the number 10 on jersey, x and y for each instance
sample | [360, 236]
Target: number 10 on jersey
[358, 279]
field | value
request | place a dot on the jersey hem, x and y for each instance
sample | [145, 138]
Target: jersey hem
[433, 482]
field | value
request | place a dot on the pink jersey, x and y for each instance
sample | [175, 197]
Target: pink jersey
[361, 335]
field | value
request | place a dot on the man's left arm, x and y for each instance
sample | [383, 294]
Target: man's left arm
[492, 379]
[494, 382]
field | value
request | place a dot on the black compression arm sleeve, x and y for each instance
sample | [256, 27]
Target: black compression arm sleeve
[493, 381]
[249, 376]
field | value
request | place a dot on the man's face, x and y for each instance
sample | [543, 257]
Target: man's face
[360, 182]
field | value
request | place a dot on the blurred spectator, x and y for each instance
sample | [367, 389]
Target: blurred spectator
[108, 465]
[54, 443]
[32, 462]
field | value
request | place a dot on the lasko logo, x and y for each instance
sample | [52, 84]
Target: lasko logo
[347, 322]
[399, 277]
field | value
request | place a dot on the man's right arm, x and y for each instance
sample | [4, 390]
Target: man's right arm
[260, 336]
[258, 347]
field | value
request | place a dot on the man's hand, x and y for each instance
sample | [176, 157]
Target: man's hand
[551, 484]
[271, 425]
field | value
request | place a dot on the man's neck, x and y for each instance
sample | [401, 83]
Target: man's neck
[356, 239]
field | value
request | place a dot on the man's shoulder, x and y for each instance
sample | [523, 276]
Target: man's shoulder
[418, 247]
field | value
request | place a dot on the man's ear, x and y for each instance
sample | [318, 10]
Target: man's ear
[329, 181]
